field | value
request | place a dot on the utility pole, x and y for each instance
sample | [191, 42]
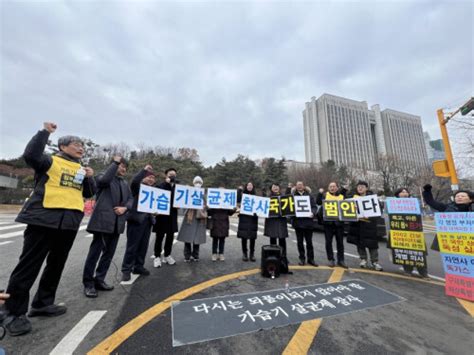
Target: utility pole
[446, 168]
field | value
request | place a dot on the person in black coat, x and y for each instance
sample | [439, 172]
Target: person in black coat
[247, 229]
[106, 224]
[139, 226]
[332, 228]
[53, 215]
[363, 233]
[463, 200]
[219, 230]
[276, 227]
[166, 226]
[304, 227]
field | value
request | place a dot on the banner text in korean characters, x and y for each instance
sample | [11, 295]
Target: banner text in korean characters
[189, 197]
[461, 265]
[456, 243]
[261, 206]
[347, 211]
[460, 286]
[408, 257]
[154, 200]
[405, 222]
[287, 205]
[275, 210]
[407, 240]
[402, 205]
[368, 206]
[221, 198]
[330, 210]
[303, 206]
[455, 222]
[247, 205]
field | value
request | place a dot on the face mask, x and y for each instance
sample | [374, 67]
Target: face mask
[197, 184]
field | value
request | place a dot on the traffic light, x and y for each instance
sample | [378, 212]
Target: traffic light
[467, 107]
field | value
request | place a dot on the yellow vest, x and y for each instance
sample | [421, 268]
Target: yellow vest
[329, 196]
[60, 191]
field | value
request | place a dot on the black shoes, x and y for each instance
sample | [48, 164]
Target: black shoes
[332, 263]
[313, 263]
[103, 286]
[245, 257]
[90, 292]
[126, 277]
[17, 325]
[141, 271]
[302, 261]
[342, 264]
[252, 257]
[48, 311]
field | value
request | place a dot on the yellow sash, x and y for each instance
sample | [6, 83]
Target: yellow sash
[60, 191]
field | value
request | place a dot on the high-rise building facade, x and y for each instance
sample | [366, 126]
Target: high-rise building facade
[349, 133]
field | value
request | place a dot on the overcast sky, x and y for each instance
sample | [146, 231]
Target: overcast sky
[224, 78]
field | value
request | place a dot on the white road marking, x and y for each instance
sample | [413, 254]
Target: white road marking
[12, 227]
[77, 334]
[134, 277]
[11, 235]
[88, 235]
[7, 242]
[431, 276]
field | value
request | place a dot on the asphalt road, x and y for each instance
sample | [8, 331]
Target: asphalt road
[426, 322]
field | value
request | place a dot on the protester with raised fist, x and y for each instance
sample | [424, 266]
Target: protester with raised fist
[53, 215]
[106, 224]
[463, 200]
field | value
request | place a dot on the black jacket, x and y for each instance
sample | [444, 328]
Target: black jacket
[276, 227]
[133, 215]
[248, 225]
[33, 211]
[305, 222]
[443, 207]
[219, 222]
[113, 191]
[163, 223]
[364, 232]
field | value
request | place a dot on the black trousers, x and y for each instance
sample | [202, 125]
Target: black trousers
[218, 243]
[39, 243]
[305, 235]
[281, 243]
[138, 238]
[159, 243]
[191, 250]
[103, 246]
[331, 230]
[252, 245]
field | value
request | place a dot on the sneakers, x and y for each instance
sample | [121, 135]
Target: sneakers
[126, 277]
[363, 264]
[157, 262]
[221, 257]
[195, 258]
[214, 257]
[187, 260]
[332, 263]
[53, 310]
[252, 257]
[377, 266]
[169, 260]
[17, 325]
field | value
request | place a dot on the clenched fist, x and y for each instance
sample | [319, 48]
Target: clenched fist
[50, 126]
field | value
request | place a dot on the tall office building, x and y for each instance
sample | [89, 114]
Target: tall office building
[434, 148]
[348, 132]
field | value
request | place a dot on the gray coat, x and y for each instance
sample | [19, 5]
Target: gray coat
[193, 230]
[113, 191]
